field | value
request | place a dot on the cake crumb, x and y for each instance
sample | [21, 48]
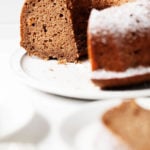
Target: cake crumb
[51, 69]
[62, 61]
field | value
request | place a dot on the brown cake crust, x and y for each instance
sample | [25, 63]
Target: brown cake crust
[119, 57]
[116, 45]
[131, 123]
[122, 82]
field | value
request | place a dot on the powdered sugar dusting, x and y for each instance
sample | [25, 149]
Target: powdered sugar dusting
[133, 16]
[103, 74]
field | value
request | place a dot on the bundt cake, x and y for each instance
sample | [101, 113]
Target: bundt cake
[119, 44]
[131, 123]
[58, 28]
[118, 37]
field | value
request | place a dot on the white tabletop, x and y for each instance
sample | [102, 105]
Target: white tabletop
[50, 110]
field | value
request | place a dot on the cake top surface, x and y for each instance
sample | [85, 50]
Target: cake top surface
[132, 16]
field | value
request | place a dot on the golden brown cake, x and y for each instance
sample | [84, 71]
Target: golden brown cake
[119, 44]
[55, 28]
[58, 28]
[131, 123]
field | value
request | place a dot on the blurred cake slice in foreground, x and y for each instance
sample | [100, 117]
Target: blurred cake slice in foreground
[131, 123]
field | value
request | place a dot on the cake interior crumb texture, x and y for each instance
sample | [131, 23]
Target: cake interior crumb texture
[131, 123]
[55, 28]
[46, 29]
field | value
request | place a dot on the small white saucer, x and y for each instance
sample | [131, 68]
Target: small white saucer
[14, 115]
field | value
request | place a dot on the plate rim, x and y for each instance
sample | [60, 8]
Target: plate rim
[15, 64]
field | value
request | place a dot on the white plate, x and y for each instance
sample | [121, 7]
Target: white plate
[70, 80]
[14, 115]
[85, 131]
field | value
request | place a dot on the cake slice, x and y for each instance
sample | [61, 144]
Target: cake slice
[55, 28]
[131, 123]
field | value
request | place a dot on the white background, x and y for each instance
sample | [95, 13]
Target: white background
[10, 18]
[10, 11]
